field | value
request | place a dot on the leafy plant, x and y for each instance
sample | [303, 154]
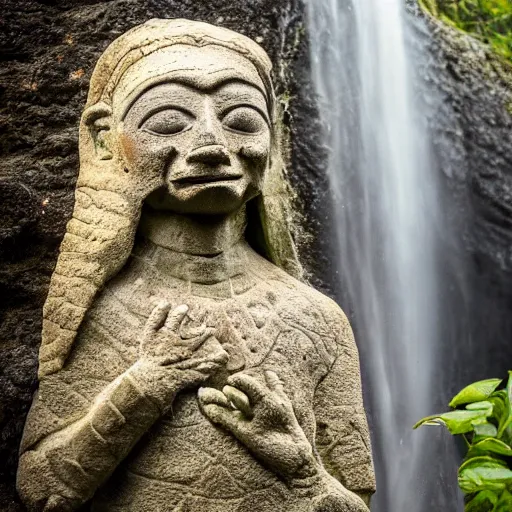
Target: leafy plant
[483, 416]
[488, 20]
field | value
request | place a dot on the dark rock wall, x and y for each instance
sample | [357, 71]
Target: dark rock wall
[468, 91]
[472, 127]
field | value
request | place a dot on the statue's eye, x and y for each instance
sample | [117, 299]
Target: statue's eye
[244, 120]
[167, 122]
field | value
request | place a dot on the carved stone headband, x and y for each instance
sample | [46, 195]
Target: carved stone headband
[155, 35]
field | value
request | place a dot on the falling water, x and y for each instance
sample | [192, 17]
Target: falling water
[385, 197]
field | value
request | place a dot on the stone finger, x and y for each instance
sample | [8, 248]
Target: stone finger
[195, 343]
[227, 418]
[275, 383]
[157, 317]
[207, 367]
[213, 396]
[196, 313]
[175, 317]
[187, 332]
[253, 388]
[168, 359]
[194, 363]
[239, 400]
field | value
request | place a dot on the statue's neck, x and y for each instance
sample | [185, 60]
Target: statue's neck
[206, 250]
[206, 235]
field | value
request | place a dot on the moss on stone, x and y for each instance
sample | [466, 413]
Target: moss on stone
[488, 20]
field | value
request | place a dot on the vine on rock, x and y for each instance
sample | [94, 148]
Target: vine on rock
[488, 20]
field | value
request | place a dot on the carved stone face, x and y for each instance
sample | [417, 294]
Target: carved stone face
[203, 126]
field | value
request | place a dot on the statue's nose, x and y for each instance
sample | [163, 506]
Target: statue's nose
[210, 154]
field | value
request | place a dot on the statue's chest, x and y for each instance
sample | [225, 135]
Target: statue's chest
[259, 324]
[249, 328]
[262, 324]
[245, 314]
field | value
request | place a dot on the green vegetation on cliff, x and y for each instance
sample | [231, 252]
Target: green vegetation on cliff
[488, 20]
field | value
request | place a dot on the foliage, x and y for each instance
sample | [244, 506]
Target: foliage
[488, 20]
[483, 416]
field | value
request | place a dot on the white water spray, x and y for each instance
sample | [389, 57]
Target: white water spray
[385, 198]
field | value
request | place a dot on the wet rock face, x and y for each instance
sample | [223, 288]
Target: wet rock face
[469, 91]
[48, 50]
[472, 140]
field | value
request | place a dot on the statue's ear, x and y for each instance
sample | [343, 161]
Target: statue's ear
[98, 120]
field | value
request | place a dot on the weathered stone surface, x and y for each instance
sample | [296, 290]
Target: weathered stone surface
[156, 292]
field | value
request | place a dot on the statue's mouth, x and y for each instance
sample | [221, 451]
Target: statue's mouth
[205, 179]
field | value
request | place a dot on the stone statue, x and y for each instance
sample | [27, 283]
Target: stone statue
[181, 369]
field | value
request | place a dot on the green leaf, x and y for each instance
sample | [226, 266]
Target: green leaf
[482, 461]
[509, 386]
[479, 406]
[483, 501]
[504, 504]
[475, 392]
[458, 422]
[490, 21]
[485, 430]
[484, 473]
[506, 420]
[494, 446]
[499, 402]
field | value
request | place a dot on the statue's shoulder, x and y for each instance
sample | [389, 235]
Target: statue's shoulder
[301, 304]
[331, 312]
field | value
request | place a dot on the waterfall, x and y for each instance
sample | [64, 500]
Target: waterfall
[385, 196]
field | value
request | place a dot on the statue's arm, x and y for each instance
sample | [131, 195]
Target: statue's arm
[62, 470]
[323, 492]
[342, 436]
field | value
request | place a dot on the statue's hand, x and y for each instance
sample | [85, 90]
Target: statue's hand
[174, 357]
[261, 416]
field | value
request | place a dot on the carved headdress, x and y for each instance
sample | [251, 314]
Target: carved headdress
[108, 200]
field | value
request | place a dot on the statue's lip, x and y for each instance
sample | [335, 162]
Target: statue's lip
[204, 179]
